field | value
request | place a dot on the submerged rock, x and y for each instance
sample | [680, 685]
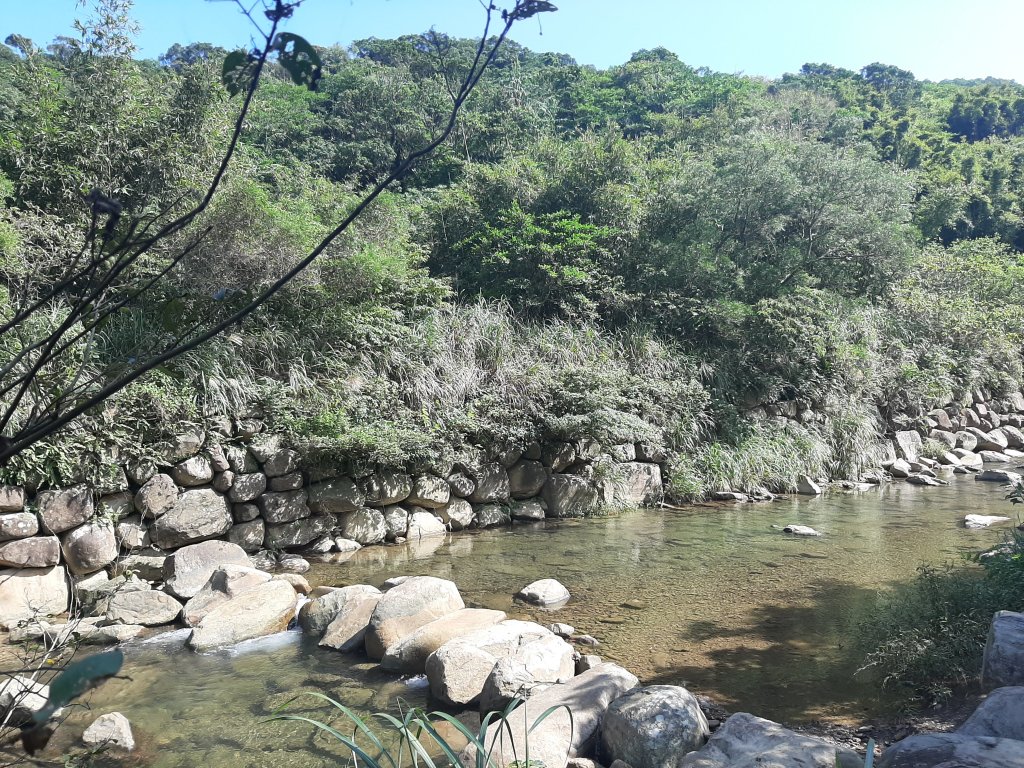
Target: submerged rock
[801, 530]
[545, 593]
[983, 521]
[110, 730]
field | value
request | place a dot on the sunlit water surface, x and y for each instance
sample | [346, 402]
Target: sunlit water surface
[713, 598]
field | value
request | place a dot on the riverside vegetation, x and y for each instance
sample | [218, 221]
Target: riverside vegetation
[754, 280]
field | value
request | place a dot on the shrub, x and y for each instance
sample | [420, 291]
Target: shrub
[928, 637]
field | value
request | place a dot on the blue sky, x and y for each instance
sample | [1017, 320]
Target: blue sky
[935, 39]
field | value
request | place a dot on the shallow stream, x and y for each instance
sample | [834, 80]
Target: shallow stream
[711, 597]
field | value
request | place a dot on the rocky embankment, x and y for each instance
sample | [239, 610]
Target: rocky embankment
[68, 547]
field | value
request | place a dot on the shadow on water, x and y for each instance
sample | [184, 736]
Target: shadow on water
[783, 657]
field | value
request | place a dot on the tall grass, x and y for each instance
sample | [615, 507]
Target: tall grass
[414, 738]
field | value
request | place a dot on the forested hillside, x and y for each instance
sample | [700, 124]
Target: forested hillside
[648, 253]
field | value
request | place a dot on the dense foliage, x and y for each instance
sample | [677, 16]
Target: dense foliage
[647, 252]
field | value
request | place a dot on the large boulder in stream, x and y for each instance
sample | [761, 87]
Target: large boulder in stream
[410, 653]
[318, 613]
[1003, 661]
[262, 610]
[189, 569]
[953, 750]
[560, 735]
[226, 582]
[653, 726]
[746, 741]
[458, 670]
[407, 607]
[1001, 715]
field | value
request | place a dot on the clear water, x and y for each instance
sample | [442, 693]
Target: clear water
[711, 597]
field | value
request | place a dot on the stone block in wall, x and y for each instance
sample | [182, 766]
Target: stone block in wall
[508, 456]
[141, 471]
[248, 428]
[648, 452]
[185, 446]
[1015, 401]
[240, 461]
[32, 592]
[457, 514]
[396, 522]
[461, 484]
[115, 506]
[635, 484]
[223, 481]
[193, 471]
[90, 547]
[526, 479]
[587, 449]
[941, 418]
[298, 533]
[623, 452]
[146, 564]
[33, 552]
[284, 507]
[281, 462]
[113, 480]
[908, 445]
[569, 496]
[335, 496]
[430, 492]
[1014, 436]
[558, 456]
[243, 513]
[218, 459]
[156, 496]
[18, 525]
[62, 510]
[131, 534]
[491, 484]
[527, 509]
[12, 498]
[993, 440]
[532, 452]
[424, 523]
[265, 447]
[290, 482]
[196, 515]
[387, 487]
[247, 487]
[249, 536]
[490, 515]
[969, 418]
[366, 525]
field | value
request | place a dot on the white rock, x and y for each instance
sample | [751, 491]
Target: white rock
[545, 593]
[111, 730]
